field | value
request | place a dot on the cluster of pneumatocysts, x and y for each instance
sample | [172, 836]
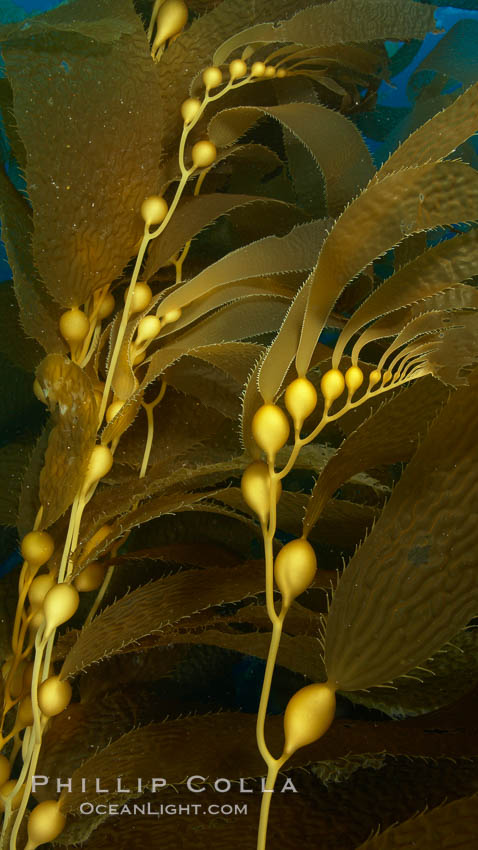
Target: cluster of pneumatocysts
[203, 152]
[311, 710]
[270, 425]
[47, 599]
[78, 327]
[49, 594]
[50, 604]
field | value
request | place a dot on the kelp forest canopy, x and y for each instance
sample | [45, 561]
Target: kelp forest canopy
[239, 350]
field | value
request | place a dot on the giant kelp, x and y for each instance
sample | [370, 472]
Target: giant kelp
[172, 265]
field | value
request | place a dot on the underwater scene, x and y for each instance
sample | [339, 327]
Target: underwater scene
[238, 424]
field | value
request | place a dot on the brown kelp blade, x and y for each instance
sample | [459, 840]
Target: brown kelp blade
[420, 556]
[83, 237]
[160, 491]
[449, 675]
[282, 285]
[10, 128]
[249, 316]
[13, 462]
[190, 218]
[280, 354]
[71, 399]
[457, 352]
[282, 350]
[20, 349]
[403, 203]
[333, 140]
[439, 136]
[225, 314]
[451, 825]
[215, 374]
[443, 266]
[39, 314]
[337, 810]
[427, 326]
[389, 435]
[409, 249]
[342, 523]
[148, 609]
[123, 419]
[297, 250]
[271, 255]
[340, 22]
[407, 322]
[251, 401]
[199, 41]
[205, 740]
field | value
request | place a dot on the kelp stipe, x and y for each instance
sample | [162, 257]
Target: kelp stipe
[50, 695]
[118, 315]
[369, 635]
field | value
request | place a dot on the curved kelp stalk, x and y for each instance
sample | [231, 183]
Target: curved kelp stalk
[369, 636]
